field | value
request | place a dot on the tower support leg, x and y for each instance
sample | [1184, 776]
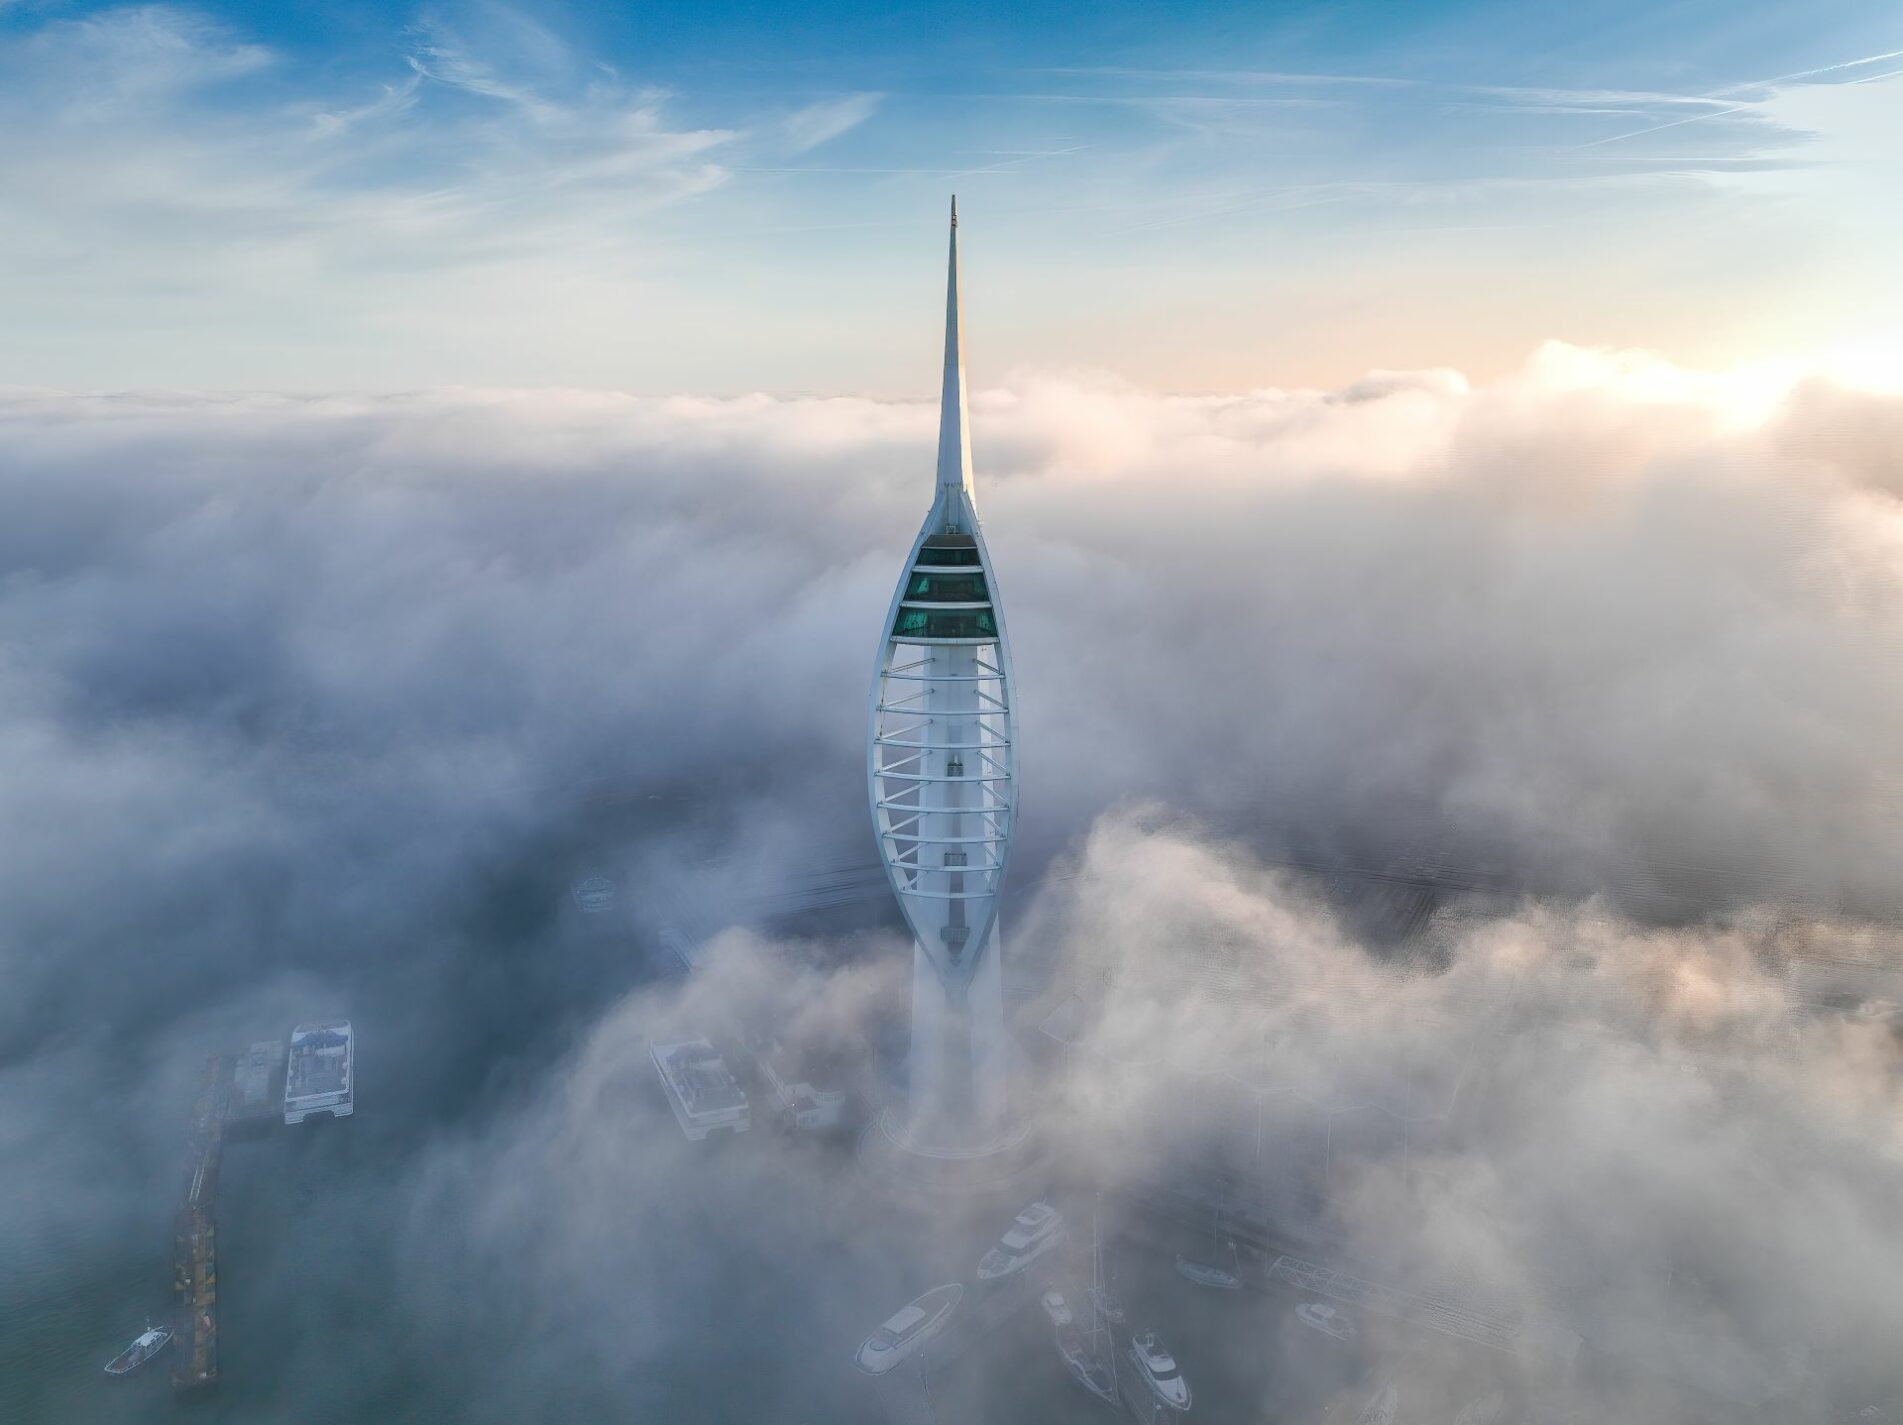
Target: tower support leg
[960, 1058]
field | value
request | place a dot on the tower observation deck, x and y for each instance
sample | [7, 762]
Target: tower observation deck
[941, 764]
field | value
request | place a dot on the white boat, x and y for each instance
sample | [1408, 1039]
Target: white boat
[1380, 1407]
[1329, 1320]
[1057, 1308]
[1038, 1229]
[1487, 1410]
[319, 1076]
[1159, 1371]
[1207, 1274]
[907, 1329]
[144, 1347]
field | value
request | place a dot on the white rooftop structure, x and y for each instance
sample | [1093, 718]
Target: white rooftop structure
[318, 1074]
[941, 763]
[700, 1089]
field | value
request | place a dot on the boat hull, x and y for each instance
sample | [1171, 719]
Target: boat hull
[875, 1357]
[1170, 1395]
[1205, 1275]
[1086, 1372]
[140, 1353]
[999, 1262]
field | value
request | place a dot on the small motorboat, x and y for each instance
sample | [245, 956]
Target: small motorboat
[1329, 1320]
[1159, 1371]
[148, 1344]
[1038, 1229]
[1380, 1407]
[1057, 1308]
[1207, 1274]
[907, 1329]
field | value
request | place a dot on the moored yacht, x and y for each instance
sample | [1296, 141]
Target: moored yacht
[1159, 1371]
[144, 1347]
[1038, 1229]
[1090, 1370]
[907, 1329]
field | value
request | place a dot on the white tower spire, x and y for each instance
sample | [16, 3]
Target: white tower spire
[942, 777]
[954, 419]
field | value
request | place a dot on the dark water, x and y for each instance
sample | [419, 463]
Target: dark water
[73, 1296]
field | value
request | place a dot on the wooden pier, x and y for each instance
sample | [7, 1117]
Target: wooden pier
[195, 1235]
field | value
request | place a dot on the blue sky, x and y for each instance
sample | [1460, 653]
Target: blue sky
[722, 198]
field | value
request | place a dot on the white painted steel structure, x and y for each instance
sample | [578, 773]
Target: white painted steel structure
[942, 777]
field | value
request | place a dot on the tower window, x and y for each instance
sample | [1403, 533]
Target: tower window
[960, 555]
[948, 588]
[965, 623]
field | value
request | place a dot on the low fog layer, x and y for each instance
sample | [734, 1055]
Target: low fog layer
[1629, 1143]
[315, 705]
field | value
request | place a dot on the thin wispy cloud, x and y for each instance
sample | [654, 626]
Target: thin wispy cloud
[1590, 98]
[440, 55]
[589, 186]
[826, 120]
[130, 59]
[375, 191]
[394, 100]
[1222, 76]
[1161, 102]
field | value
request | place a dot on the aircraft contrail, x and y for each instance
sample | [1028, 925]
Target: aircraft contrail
[1751, 84]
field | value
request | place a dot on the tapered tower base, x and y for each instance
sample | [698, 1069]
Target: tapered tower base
[958, 1101]
[889, 1158]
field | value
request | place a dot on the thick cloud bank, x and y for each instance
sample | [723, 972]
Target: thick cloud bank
[1629, 1147]
[317, 704]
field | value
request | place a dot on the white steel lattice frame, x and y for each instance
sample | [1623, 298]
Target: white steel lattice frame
[942, 778]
